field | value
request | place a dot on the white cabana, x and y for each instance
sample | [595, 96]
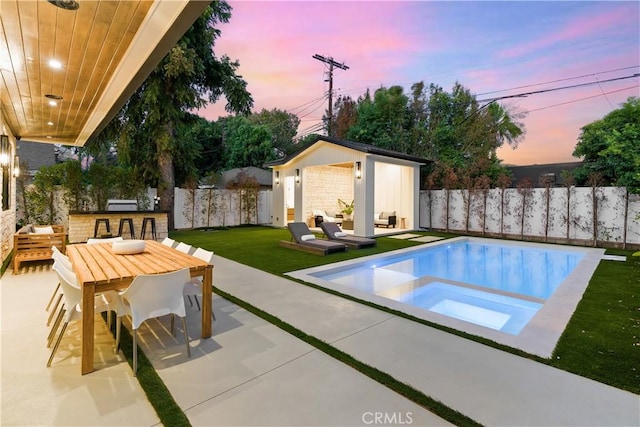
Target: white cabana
[327, 170]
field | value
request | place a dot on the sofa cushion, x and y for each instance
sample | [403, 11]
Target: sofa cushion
[43, 230]
[26, 229]
[384, 215]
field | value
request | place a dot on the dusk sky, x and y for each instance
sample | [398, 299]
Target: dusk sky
[492, 48]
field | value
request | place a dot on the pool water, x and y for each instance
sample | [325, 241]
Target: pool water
[493, 285]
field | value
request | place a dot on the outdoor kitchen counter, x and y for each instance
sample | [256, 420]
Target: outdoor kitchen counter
[81, 224]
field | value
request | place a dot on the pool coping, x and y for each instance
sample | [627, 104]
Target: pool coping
[541, 334]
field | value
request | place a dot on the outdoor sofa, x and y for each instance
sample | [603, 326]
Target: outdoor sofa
[34, 242]
[304, 240]
[335, 233]
[385, 218]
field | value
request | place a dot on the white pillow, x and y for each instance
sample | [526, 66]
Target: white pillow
[306, 237]
[128, 247]
[339, 234]
[43, 230]
[376, 215]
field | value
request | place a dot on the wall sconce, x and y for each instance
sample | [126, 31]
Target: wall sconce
[4, 151]
[277, 177]
[358, 170]
[297, 176]
[16, 166]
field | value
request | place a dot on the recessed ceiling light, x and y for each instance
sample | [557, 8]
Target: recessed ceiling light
[53, 103]
[65, 4]
[54, 63]
[50, 123]
[49, 136]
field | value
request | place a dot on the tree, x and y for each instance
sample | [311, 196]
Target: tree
[610, 147]
[283, 127]
[41, 194]
[346, 116]
[503, 182]
[383, 121]
[246, 144]
[569, 182]
[547, 183]
[188, 77]
[525, 189]
[74, 184]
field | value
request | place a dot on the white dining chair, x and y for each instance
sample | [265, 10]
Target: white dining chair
[64, 260]
[168, 242]
[193, 287]
[183, 247]
[92, 241]
[150, 296]
[72, 296]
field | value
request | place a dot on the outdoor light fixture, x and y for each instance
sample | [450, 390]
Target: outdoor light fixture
[358, 170]
[4, 150]
[16, 166]
[297, 176]
[277, 177]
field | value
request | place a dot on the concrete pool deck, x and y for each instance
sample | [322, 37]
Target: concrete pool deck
[252, 373]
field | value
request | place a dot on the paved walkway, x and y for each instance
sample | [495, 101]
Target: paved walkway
[490, 386]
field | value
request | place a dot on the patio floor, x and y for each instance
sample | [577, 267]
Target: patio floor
[252, 373]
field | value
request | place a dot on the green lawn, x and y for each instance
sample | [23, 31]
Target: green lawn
[602, 340]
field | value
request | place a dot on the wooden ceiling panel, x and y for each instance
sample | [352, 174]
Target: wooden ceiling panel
[93, 44]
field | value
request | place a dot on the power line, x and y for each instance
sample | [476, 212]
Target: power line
[535, 92]
[581, 99]
[558, 80]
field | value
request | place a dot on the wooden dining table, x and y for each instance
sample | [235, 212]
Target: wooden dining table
[99, 269]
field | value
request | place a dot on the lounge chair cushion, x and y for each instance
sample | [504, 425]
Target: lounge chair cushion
[306, 237]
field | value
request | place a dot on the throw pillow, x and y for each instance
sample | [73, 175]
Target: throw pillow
[384, 215]
[306, 237]
[339, 234]
[43, 230]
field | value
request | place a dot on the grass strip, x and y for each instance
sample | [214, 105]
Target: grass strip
[168, 411]
[432, 405]
[602, 339]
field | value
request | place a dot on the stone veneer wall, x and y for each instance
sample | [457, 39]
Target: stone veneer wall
[81, 226]
[324, 185]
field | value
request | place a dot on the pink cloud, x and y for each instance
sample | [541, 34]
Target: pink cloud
[576, 28]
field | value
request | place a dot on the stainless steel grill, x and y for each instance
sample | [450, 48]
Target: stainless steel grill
[122, 205]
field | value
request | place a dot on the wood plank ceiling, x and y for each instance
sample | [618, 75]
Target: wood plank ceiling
[101, 48]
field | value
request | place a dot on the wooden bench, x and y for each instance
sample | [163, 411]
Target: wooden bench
[30, 246]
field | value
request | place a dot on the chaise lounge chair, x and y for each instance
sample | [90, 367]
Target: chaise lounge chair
[335, 233]
[306, 241]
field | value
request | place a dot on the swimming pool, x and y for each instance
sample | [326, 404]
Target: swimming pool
[488, 287]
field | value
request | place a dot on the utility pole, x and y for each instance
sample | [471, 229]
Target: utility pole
[329, 61]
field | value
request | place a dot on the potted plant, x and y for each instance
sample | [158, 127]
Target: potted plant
[346, 208]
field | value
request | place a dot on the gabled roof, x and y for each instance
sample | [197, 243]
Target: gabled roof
[358, 146]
